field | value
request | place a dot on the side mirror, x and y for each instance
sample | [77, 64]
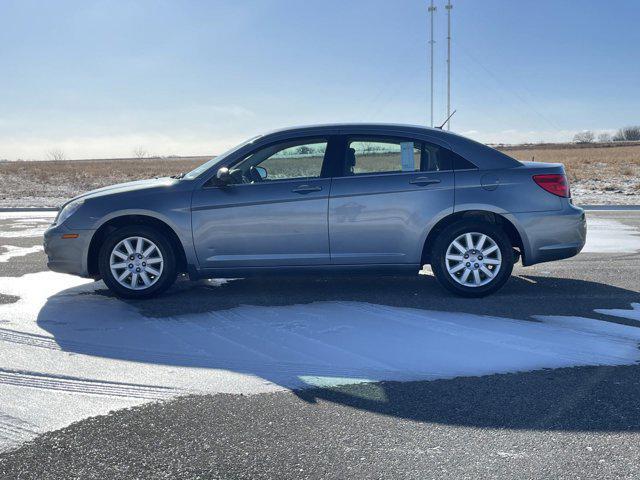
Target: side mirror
[262, 171]
[223, 177]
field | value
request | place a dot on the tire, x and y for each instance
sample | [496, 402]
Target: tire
[160, 272]
[460, 285]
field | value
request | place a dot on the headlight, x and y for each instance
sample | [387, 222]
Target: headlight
[68, 210]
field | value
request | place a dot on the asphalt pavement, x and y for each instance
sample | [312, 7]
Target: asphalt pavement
[580, 422]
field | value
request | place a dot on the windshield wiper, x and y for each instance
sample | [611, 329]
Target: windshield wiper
[178, 176]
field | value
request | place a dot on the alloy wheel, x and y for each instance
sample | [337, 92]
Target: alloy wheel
[136, 263]
[473, 259]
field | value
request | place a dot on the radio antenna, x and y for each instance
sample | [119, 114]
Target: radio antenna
[445, 122]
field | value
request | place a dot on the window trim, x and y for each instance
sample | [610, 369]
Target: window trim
[333, 163]
[388, 174]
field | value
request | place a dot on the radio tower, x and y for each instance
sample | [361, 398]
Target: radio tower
[448, 7]
[432, 10]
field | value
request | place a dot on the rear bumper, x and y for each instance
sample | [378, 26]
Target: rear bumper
[548, 236]
[67, 255]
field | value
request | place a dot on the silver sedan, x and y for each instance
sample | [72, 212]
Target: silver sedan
[350, 198]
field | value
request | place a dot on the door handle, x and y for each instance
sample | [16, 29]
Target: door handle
[423, 181]
[303, 189]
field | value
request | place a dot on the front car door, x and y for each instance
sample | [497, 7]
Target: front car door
[274, 213]
[392, 189]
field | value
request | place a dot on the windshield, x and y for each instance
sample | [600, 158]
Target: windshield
[207, 165]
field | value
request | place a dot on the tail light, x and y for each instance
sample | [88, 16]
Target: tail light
[555, 183]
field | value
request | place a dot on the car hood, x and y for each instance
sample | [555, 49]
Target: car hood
[128, 187]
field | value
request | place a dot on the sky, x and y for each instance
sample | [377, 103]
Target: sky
[99, 79]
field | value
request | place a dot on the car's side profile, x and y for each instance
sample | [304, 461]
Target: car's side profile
[351, 198]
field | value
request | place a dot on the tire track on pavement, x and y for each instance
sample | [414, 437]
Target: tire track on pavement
[265, 369]
[44, 381]
[15, 430]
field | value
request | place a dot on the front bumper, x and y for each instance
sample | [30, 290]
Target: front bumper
[67, 255]
[549, 236]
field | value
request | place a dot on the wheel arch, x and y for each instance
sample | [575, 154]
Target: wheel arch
[127, 220]
[481, 215]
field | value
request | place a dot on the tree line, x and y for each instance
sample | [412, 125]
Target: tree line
[626, 134]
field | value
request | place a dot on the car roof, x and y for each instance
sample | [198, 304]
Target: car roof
[482, 155]
[450, 138]
[359, 126]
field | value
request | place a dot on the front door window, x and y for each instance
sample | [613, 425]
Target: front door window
[292, 160]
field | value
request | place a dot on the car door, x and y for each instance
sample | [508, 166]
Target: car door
[274, 213]
[390, 191]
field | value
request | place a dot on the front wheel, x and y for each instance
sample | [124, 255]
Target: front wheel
[137, 262]
[472, 259]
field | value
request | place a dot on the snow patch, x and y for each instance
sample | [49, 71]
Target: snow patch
[611, 236]
[12, 251]
[39, 214]
[25, 224]
[633, 314]
[67, 351]
[23, 233]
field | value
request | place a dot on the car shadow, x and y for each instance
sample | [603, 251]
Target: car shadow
[92, 322]
[595, 399]
[522, 297]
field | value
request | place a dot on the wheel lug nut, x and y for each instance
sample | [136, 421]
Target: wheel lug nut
[144, 264]
[476, 265]
[468, 264]
[138, 269]
[131, 265]
[466, 255]
[479, 257]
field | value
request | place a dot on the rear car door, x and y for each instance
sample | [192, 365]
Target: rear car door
[273, 214]
[389, 191]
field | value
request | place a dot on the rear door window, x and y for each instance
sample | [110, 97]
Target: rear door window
[375, 155]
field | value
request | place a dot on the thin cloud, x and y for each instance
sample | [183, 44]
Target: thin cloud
[512, 136]
[114, 146]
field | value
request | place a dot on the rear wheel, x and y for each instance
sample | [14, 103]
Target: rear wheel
[472, 259]
[137, 262]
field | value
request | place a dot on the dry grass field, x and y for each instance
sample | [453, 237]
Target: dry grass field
[51, 183]
[599, 173]
[585, 162]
